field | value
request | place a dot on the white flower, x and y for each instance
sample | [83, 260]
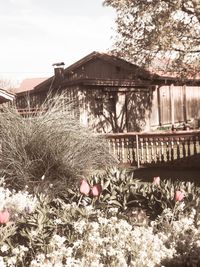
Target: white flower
[57, 221]
[4, 248]
[2, 264]
[59, 240]
[80, 226]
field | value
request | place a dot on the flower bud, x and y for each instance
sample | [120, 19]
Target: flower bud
[179, 196]
[4, 217]
[156, 180]
[84, 187]
[96, 190]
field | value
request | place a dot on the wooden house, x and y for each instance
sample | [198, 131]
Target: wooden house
[113, 95]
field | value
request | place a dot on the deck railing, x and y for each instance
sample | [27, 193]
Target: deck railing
[140, 149]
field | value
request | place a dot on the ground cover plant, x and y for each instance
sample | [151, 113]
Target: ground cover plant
[44, 230]
[52, 145]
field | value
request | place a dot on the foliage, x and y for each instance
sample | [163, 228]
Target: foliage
[55, 233]
[116, 186]
[183, 233]
[52, 146]
[136, 199]
[167, 30]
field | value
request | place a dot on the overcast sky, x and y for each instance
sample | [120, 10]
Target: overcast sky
[37, 33]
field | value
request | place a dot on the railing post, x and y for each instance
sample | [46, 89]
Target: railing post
[137, 150]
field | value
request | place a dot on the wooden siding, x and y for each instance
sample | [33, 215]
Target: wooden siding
[193, 102]
[174, 105]
[100, 69]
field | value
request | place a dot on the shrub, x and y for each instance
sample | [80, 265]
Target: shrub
[52, 145]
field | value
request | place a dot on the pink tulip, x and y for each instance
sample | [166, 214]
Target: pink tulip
[179, 196]
[84, 187]
[4, 217]
[156, 180]
[96, 190]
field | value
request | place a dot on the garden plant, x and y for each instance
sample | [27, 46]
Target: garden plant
[64, 203]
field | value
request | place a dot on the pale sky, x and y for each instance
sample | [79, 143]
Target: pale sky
[37, 33]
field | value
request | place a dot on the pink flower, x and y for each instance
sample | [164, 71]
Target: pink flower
[84, 187]
[96, 190]
[4, 217]
[156, 180]
[179, 196]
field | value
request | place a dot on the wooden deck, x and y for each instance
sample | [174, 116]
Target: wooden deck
[155, 149]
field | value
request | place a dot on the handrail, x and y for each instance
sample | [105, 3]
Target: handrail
[153, 134]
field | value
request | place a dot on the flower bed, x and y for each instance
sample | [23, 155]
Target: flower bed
[96, 228]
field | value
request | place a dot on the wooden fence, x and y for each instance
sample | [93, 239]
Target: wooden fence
[142, 149]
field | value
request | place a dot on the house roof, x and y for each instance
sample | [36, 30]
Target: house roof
[106, 57]
[29, 84]
[141, 74]
[6, 96]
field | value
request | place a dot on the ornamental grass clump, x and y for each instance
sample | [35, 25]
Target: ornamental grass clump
[52, 145]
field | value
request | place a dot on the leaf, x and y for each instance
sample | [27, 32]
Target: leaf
[106, 184]
[115, 202]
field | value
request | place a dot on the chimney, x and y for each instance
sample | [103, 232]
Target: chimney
[59, 70]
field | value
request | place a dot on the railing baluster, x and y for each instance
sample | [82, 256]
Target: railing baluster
[119, 152]
[152, 151]
[134, 161]
[157, 152]
[142, 151]
[184, 148]
[178, 149]
[195, 145]
[130, 147]
[140, 148]
[122, 150]
[172, 150]
[162, 151]
[167, 151]
[147, 150]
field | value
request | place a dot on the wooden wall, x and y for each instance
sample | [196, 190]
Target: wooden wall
[116, 110]
[174, 105]
[99, 69]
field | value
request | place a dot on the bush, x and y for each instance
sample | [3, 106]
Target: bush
[52, 146]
